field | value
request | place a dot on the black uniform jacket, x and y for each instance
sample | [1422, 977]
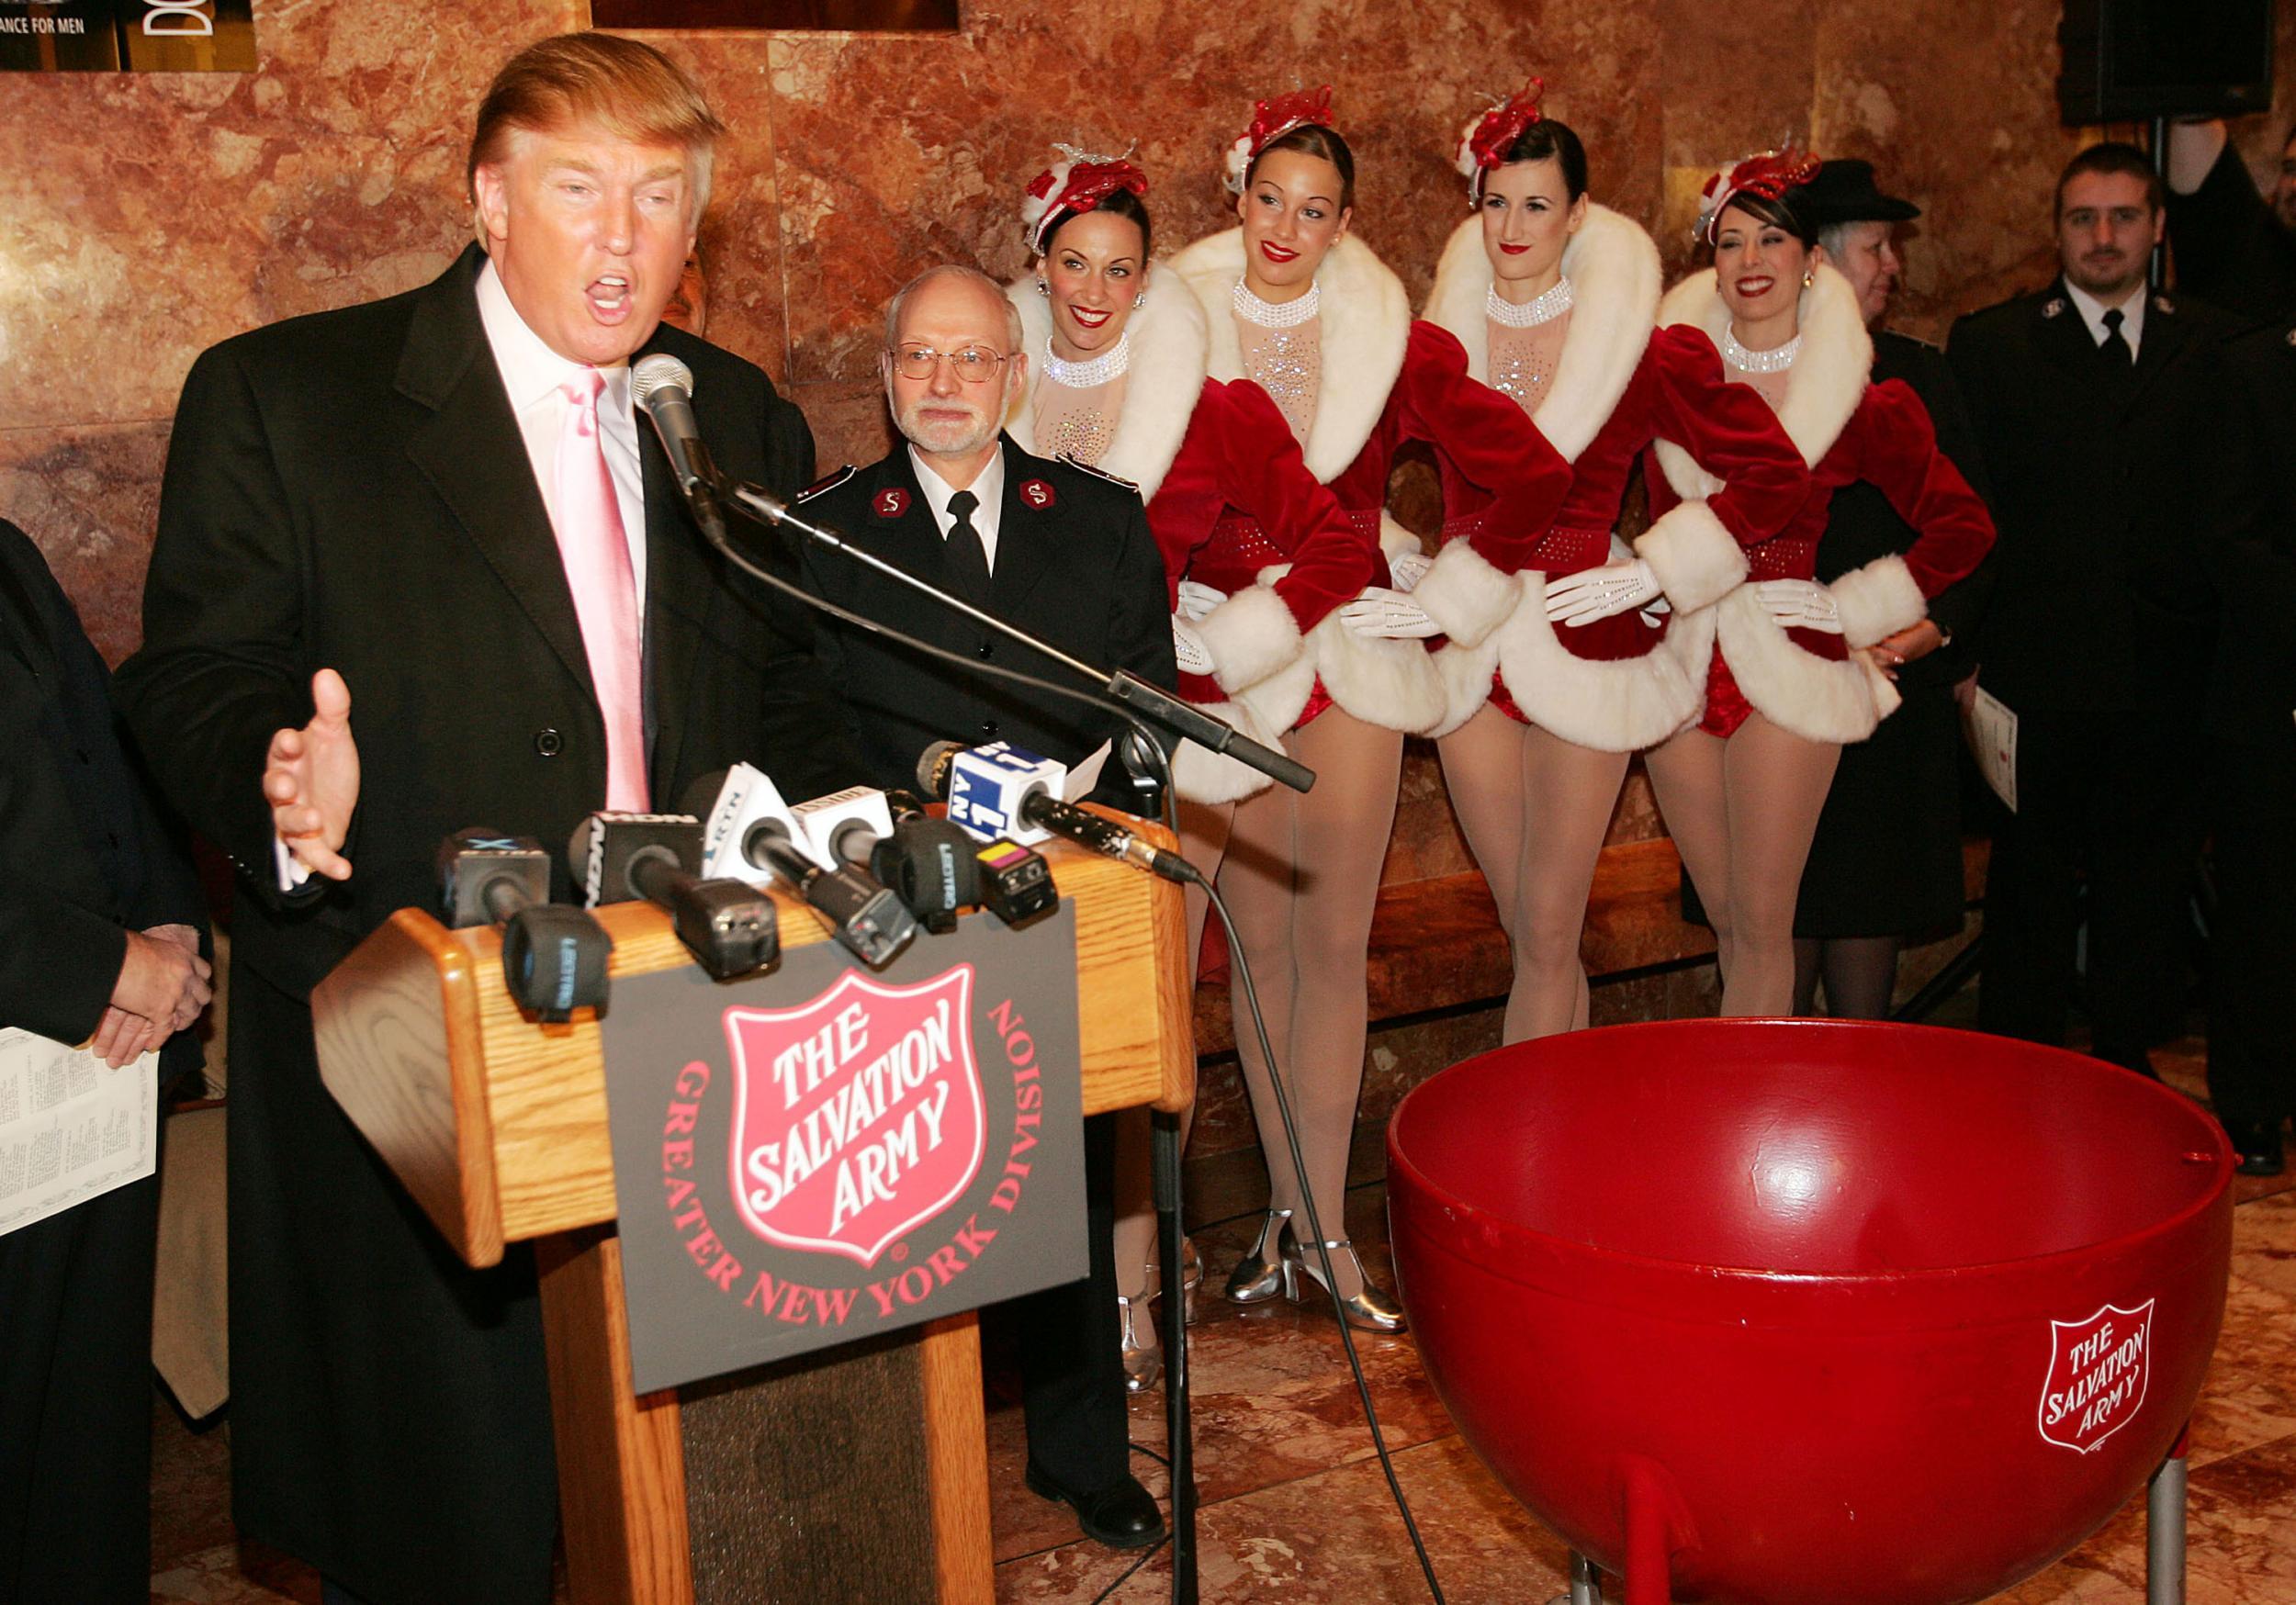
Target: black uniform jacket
[2254, 698]
[86, 854]
[2110, 491]
[1075, 565]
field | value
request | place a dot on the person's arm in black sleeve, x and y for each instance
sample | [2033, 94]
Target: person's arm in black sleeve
[1139, 636]
[1967, 363]
[2211, 228]
[1959, 605]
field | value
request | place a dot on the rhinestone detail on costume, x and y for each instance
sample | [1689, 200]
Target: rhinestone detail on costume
[1114, 363]
[1759, 362]
[1522, 360]
[1276, 314]
[1529, 314]
[1284, 359]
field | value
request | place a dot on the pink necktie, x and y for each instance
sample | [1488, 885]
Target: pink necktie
[596, 552]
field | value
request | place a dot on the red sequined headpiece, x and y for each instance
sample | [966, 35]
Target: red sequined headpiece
[1484, 143]
[1078, 183]
[1767, 174]
[1271, 121]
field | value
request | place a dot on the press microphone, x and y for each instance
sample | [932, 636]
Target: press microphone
[664, 386]
[554, 956]
[729, 926]
[1003, 789]
[753, 833]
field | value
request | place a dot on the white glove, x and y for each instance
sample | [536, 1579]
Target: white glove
[1189, 648]
[1409, 568]
[1388, 615]
[1197, 601]
[1800, 604]
[1598, 593]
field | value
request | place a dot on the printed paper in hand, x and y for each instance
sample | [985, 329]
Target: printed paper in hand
[71, 1126]
[1991, 728]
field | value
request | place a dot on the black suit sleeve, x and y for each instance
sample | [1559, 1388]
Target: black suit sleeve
[58, 962]
[221, 665]
[1967, 363]
[1959, 605]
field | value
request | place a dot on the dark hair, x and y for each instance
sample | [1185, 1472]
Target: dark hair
[1124, 203]
[1786, 214]
[1313, 140]
[2113, 156]
[1546, 138]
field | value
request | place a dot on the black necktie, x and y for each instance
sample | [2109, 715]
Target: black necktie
[2114, 349]
[968, 560]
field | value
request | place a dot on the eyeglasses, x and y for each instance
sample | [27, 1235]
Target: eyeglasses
[975, 365]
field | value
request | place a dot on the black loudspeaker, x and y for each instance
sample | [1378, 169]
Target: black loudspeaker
[2128, 59]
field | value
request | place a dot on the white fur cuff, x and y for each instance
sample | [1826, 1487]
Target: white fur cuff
[1250, 636]
[1696, 559]
[1877, 601]
[1467, 594]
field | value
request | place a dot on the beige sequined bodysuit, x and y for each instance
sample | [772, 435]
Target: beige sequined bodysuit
[1077, 422]
[1522, 361]
[1289, 365]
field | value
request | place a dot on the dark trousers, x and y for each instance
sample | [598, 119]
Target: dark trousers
[76, 1403]
[1072, 1361]
[2112, 798]
[2252, 960]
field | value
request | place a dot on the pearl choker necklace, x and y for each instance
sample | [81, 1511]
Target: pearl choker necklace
[1112, 364]
[1530, 314]
[1276, 314]
[1759, 362]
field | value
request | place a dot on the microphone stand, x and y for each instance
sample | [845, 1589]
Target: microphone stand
[1140, 703]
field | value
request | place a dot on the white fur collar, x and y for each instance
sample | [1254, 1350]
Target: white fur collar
[1829, 376]
[1366, 326]
[1160, 391]
[1614, 279]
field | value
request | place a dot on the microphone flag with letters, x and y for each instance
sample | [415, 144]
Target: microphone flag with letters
[826, 1153]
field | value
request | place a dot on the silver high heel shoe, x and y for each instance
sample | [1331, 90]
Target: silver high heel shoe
[1144, 1356]
[1259, 1275]
[1191, 1278]
[1367, 1311]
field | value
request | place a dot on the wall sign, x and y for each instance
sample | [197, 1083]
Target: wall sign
[819, 1155]
[135, 35]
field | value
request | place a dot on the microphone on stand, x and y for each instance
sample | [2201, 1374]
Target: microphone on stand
[652, 858]
[752, 833]
[554, 955]
[1000, 790]
[664, 386]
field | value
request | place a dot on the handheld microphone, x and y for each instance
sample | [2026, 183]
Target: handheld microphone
[926, 862]
[727, 925]
[1004, 788]
[759, 836]
[554, 956]
[664, 386]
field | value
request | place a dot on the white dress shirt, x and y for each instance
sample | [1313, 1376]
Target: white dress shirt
[988, 485]
[2093, 310]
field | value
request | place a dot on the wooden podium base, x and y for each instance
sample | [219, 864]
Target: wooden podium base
[858, 1475]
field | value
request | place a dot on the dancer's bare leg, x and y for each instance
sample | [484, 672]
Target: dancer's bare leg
[1568, 794]
[1686, 779]
[1775, 784]
[1302, 881]
[1203, 840]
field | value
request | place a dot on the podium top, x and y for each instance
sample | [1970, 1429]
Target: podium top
[496, 1123]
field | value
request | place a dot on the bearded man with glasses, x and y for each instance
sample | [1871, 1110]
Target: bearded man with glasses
[1064, 552]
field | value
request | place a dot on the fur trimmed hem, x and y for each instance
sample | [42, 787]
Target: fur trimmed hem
[1391, 683]
[1467, 594]
[1621, 705]
[1877, 601]
[1466, 673]
[1694, 558]
[1201, 775]
[1815, 698]
[1277, 702]
[1250, 636]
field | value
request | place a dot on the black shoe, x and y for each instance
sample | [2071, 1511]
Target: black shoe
[1122, 1516]
[2257, 1142]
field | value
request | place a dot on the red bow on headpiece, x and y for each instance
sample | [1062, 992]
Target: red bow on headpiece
[1271, 120]
[1077, 185]
[1769, 173]
[1502, 125]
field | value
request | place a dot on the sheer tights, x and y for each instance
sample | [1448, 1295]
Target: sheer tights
[1859, 974]
[1301, 878]
[1535, 808]
[1741, 812]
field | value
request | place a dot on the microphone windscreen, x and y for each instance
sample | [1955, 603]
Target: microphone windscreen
[649, 374]
[933, 767]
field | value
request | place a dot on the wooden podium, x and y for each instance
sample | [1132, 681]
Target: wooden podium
[858, 1473]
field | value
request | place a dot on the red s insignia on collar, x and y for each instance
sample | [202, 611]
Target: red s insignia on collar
[891, 504]
[1037, 494]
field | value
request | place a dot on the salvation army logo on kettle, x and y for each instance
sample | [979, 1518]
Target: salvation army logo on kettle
[858, 1116]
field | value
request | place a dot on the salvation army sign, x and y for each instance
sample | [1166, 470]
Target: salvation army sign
[819, 1155]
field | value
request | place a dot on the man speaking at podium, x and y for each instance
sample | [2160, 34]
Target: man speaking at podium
[419, 567]
[1064, 553]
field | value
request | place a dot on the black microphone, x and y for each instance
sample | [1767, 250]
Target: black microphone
[554, 956]
[728, 925]
[664, 386]
[864, 916]
[1027, 800]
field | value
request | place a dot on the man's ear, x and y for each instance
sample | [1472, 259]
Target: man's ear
[491, 185]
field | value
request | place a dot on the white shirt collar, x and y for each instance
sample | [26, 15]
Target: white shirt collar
[2093, 311]
[531, 370]
[988, 486]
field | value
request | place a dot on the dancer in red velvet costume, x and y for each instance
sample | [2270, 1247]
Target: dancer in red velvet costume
[1116, 382]
[1297, 305]
[1782, 657]
[1553, 297]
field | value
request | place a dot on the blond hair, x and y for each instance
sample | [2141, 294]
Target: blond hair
[631, 90]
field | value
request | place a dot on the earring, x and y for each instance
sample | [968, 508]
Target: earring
[1140, 300]
[1809, 277]
[1044, 289]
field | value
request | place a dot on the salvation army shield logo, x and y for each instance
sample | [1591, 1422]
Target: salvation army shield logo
[857, 1116]
[2098, 1374]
